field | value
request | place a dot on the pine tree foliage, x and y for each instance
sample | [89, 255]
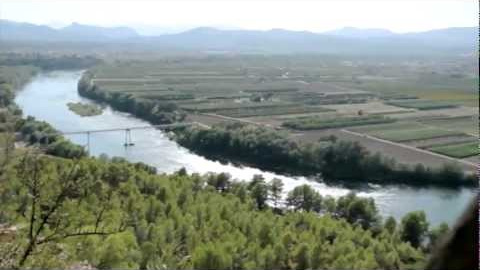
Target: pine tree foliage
[114, 214]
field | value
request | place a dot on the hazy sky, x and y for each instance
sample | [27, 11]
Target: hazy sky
[317, 16]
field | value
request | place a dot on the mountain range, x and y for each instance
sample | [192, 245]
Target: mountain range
[10, 30]
[345, 40]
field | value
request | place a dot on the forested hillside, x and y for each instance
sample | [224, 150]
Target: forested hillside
[113, 214]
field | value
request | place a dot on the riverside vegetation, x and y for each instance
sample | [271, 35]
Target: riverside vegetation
[157, 112]
[16, 71]
[34, 132]
[334, 159]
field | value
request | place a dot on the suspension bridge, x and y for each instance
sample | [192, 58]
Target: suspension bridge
[128, 137]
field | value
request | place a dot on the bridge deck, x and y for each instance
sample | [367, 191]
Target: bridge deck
[167, 126]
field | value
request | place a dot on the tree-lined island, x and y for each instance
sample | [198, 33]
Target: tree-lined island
[84, 109]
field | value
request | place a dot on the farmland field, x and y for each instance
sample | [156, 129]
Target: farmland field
[310, 123]
[466, 124]
[422, 104]
[373, 107]
[414, 134]
[461, 150]
[428, 143]
[213, 106]
[389, 126]
[416, 103]
[262, 111]
[438, 84]
[237, 87]
[408, 131]
[461, 111]
[401, 154]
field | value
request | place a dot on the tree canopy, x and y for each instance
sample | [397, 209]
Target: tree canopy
[114, 214]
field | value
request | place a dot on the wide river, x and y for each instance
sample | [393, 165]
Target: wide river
[46, 98]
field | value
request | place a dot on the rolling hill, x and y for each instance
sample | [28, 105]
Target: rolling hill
[346, 40]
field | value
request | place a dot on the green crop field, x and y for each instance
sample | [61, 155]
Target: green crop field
[214, 106]
[249, 86]
[405, 131]
[413, 134]
[237, 87]
[265, 111]
[312, 123]
[460, 150]
[466, 124]
[442, 86]
[422, 104]
[390, 126]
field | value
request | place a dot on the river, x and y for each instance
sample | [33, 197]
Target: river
[46, 98]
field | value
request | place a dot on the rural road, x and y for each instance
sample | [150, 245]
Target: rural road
[410, 147]
[419, 159]
[201, 125]
[236, 119]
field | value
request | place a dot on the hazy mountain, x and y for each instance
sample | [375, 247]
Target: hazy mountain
[75, 32]
[352, 32]
[25, 31]
[208, 38]
[449, 36]
[345, 40]
[156, 30]
[80, 31]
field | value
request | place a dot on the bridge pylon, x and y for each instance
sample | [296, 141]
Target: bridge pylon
[88, 142]
[128, 138]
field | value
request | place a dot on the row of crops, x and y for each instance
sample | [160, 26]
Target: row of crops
[422, 104]
[406, 131]
[314, 123]
[458, 150]
[466, 124]
[454, 143]
[234, 99]
[268, 111]
[413, 131]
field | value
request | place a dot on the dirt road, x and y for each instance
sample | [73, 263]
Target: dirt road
[401, 153]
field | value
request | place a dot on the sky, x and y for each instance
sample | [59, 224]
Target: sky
[154, 17]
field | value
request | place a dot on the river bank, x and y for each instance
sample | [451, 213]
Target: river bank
[336, 161]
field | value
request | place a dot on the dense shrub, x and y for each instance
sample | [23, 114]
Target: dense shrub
[44, 135]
